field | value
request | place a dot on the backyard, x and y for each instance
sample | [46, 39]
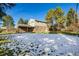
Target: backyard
[28, 44]
[48, 31]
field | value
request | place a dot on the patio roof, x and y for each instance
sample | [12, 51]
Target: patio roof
[24, 25]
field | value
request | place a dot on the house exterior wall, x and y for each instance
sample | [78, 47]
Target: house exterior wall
[40, 29]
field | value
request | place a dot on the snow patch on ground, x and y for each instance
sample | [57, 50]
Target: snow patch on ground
[69, 40]
[49, 40]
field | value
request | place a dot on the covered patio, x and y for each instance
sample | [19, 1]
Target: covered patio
[25, 28]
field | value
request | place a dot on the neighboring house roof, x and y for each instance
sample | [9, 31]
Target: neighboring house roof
[3, 27]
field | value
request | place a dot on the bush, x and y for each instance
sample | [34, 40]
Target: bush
[1, 30]
[64, 32]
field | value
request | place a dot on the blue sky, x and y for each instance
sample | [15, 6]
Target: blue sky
[36, 10]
